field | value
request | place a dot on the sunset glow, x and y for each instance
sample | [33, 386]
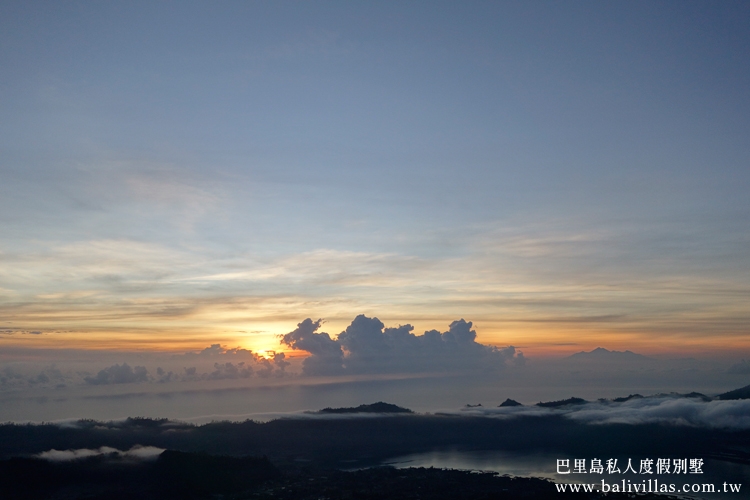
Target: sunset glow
[254, 193]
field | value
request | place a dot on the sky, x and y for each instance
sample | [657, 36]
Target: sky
[564, 176]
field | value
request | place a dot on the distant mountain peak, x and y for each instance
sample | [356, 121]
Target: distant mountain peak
[510, 402]
[741, 393]
[562, 402]
[378, 407]
[600, 353]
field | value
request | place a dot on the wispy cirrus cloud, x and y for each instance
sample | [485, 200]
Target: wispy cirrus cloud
[516, 280]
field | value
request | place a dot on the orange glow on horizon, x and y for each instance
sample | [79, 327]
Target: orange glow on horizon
[552, 341]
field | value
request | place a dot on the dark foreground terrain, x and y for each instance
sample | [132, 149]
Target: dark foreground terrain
[191, 476]
[366, 441]
[308, 457]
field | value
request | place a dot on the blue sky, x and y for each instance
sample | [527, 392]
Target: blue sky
[562, 174]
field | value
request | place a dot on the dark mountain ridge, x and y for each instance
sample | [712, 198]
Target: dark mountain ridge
[378, 407]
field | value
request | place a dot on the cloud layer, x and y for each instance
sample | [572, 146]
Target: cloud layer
[671, 410]
[137, 452]
[367, 347]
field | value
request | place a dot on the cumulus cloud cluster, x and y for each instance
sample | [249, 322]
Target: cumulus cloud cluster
[695, 412]
[119, 374]
[11, 378]
[236, 363]
[226, 364]
[215, 362]
[367, 347]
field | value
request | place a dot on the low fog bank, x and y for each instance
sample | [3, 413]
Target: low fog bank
[137, 452]
[676, 410]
